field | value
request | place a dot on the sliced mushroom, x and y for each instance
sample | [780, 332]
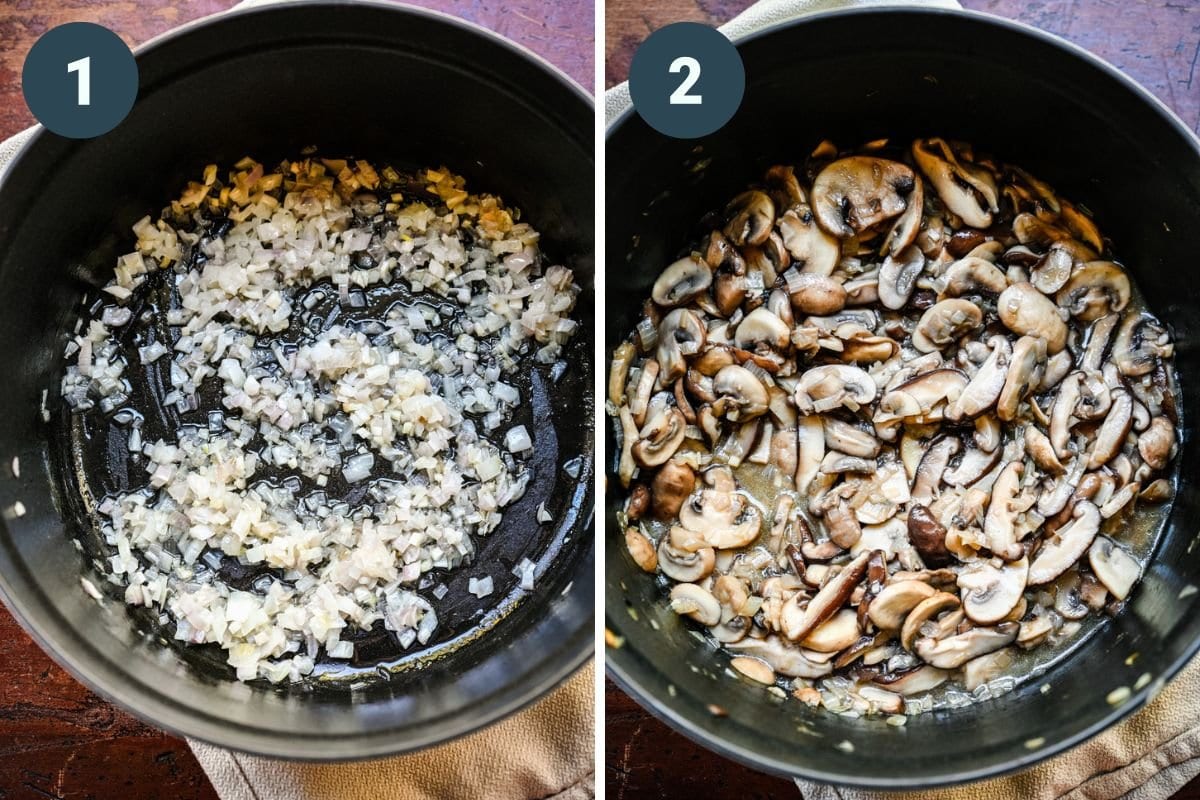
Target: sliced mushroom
[641, 549]
[1111, 435]
[928, 536]
[985, 387]
[751, 216]
[986, 668]
[971, 276]
[680, 334]
[813, 293]
[785, 659]
[1094, 290]
[618, 372]
[918, 397]
[865, 349]
[974, 464]
[813, 251]
[1062, 413]
[925, 611]
[944, 323]
[825, 388]
[932, 468]
[954, 651]
[1114, 567]
[1038, 446]
[898, 276]
[1027, 312]
[852, 195]
[968, 191]
[741, 395]
[670, 486]
[681, 281]
[1141, 341]
[843, 527]
[762, 328]
[810, 451]
[688, 599]
[720, 515]
[1053, 270]
[914, 681]
[832, 596]
[1024, 373]
[893, 603]
[990, 591]
[1066, 545]
[629, 435]
[683, 565]
[850, 440]
[834, 634]
[999, 526]
[1156, 442]
[754, 669]
[661, 436]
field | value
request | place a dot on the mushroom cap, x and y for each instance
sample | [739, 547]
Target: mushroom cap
[917, 397]
[1095, 289]
[928, 536]
[763, 327]
[854, 194]
[1053, 270]
[925, 611]
[684, 566]
[742, 396]
[812, 293]
[723, 518]
[1061, 550]
[681, 281]
[680, 334]
[972, 275]
[688, 599]
[967, 191]
[914, 681]
[1027, 312]
[1025, 368]
[954, 651]
[894, 601]
[1156, 442]
[898, 276]
[990, 592]
[1114, 566]
[831, 386]
[750, 215]
[812, 249]
[660, 437]
[944, 323]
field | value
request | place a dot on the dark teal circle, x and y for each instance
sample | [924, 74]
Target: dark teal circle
[720, 86]
[52, 92]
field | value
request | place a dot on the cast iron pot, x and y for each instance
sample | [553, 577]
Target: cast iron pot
[354, 79]
[1033, 100]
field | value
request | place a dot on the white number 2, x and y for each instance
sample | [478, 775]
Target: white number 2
[84, 67]
[680, 96]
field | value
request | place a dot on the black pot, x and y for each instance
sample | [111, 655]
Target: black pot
[1031, 99]
[377, 81]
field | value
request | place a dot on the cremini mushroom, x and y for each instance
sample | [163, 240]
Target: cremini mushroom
[750, 217]
[1094, 290]
[928, 535]
[660, 437]
[944, 323]
[814, 293]
[926, 611]
[813, 251]
[917, 680]
[999, 526]
[972, 276]
[1140, 343]
[1052, 270]
[984, 388]
[1027, 312]
[1062, 549]
[1113, 566]
[681, 281]
[785, 659]
[641, 549]
[825, 388]
[898, 276]
[798, 624]
[688, 599]
[680, 334]
[967, 190]
[720, 515]
[954, 651]
[854, 194]
[1156, 442]
[761, 328]
[740, 394]
[669, 487]
[1024, 373]
[991, 590]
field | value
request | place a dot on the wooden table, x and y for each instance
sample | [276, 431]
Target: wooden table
[57, 739]
[1157, 42]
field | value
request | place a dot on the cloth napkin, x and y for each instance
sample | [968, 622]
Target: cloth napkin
[1147, 757]
[546, 752]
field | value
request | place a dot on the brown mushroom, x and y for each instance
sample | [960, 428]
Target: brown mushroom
[681, 281]
[670, 486]
[831, 597]
[751, 216]
[813, 293]
[898, 276]
[813, 251]
[992, 589]
[928, 536]
[1094, 290]
[966, 190]
[944, 323]
[1065, 546]
[854, 194]
[1027, 312]
[1156, 442]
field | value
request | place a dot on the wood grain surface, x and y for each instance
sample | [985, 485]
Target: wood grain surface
[58, 741]
[1156, 42]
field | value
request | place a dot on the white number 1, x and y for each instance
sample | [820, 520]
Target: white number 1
[84, 67]
[680, 96]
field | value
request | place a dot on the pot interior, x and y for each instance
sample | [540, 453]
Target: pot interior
[1031, 100]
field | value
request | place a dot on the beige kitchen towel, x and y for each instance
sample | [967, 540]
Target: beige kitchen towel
[546, 751]
[1149, 756]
